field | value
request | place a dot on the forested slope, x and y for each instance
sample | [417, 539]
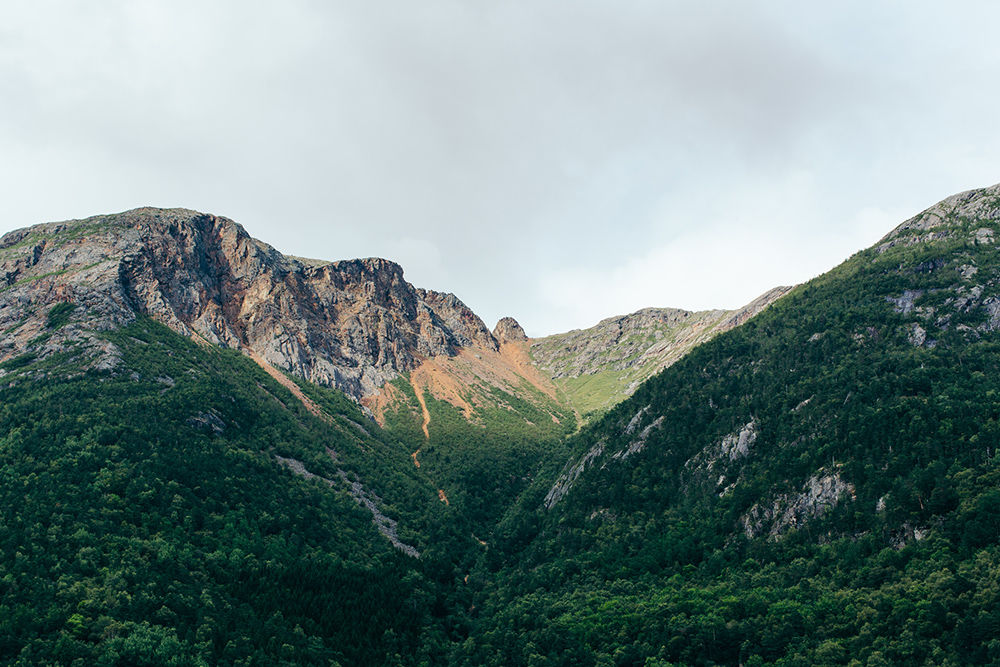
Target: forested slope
[818, 486]
[152, 516]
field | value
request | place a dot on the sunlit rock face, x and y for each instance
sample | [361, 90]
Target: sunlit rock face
[351, 324]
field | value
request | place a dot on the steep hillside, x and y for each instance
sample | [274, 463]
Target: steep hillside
[190, 479]
[818, 486]
[482, 421]
[181, 506]
[600, 366]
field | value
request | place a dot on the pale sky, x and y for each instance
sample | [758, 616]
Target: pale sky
[559, 162]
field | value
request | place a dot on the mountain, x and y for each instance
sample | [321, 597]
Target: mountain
[598, 367]
[817, 486]
[181, 506]
[352, 325]
[480, 411]
[177, 493]
[213, 453]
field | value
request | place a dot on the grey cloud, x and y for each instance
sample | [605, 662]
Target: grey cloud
[494, 143]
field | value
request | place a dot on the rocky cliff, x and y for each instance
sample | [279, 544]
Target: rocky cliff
[351, 324]
[354, 324]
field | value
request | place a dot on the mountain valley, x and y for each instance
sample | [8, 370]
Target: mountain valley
[214, 453]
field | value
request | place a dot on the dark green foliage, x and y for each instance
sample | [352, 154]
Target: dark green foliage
[648, 559]
[134, 533]
[58, 315]
[147, 522]
[485, 462]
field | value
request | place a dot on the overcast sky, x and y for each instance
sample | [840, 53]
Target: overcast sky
[559, 162]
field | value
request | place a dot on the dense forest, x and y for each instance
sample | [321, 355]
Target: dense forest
[147, 520]
[484, 462]
[816, 487]
[689, 552]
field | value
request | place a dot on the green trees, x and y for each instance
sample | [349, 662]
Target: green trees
[136, 532]
[896, 569]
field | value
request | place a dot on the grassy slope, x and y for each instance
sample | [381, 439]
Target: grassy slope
[595, 393]
[609, 378]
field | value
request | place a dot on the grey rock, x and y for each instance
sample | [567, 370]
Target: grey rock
[737, 445]
[208, 421]
[571, 473]
[370, 501]
[935, 223]
[917, 335]
[637, 445]
[353, 324]
[904, 304]
[634, 347]
[508, 330]
[634, 422]
[821, 492]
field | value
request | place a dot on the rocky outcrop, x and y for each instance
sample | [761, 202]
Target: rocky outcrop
[637, 444]
[570, 474]
[717, 466]
[821, 493]
[371, 502]
[351, 324]
[650, 335]
[508, 330]
[954, 236]
[938, 221]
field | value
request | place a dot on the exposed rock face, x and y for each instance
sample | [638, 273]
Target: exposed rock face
[508, 330]
[637, 445]
[937, 222]
[712, 465]
[352, 324]
[963, 299]
[648, 335]
[615, 342]
[361, 495]
[737, 445]
[821, 493]
[570, 474]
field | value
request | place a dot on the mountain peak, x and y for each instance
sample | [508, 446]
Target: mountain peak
[981, 204]
[352, 324]
[508, 330]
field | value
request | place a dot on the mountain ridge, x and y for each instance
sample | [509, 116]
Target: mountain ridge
[817, 486]
[796, 490]
[603, 364]
[352, 324]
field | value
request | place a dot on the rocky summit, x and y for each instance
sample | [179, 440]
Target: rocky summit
[508, 330]
[355, 324]
[350, 324]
